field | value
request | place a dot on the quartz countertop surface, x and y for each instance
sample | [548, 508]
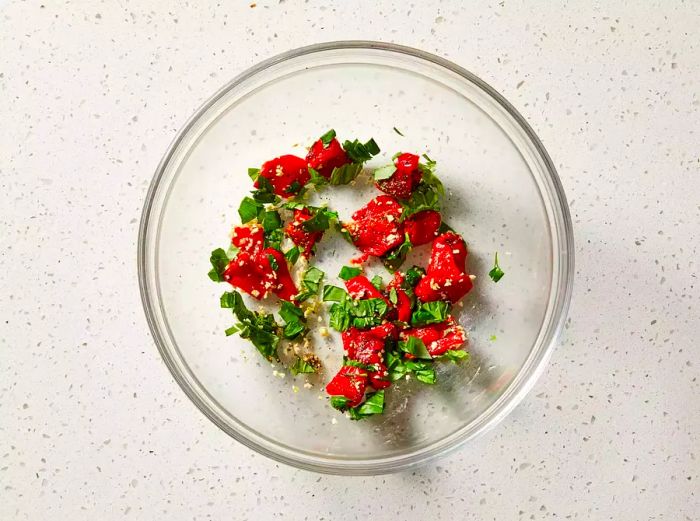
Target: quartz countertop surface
[92, 425]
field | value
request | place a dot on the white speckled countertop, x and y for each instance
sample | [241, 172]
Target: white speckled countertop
[92, 425]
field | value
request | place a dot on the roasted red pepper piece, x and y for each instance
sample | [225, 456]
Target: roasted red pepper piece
[360, 287]
[379, 376]
[351, 383]
[299, 236]
[247, 273]
[324, 158]
[283, 285]
[249, 238]
[422, 227]
[405, 179]
[367, 347]
[446, 278]
[375, 228]
[282, 172]
[403, 302]
[439, 338]
[363, 344]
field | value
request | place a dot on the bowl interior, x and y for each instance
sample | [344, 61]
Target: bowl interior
[494, 181]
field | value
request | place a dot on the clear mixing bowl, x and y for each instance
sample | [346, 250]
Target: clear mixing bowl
[503, 194]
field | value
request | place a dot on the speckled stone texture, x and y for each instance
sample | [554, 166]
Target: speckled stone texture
[92, 426]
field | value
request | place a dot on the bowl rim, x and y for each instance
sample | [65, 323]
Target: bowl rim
[516, 390]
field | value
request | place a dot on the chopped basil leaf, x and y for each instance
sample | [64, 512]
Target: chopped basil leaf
[424, 197]
[231, 330]
[378, 282]
[373, 405]
[339, 402]
[311, 282]
[347, 272]
[396, 156]
[293, 330]
[249, 209]
[384, 172]
[496, 272]
[219, 261]
[295, 205]
[395, 366]
[369, 307]
[292, 255]
[429, 176]
[301, 367]
[414, 274]
[293, 317]
[430, 313]
[398, 132]
[274, 238]
[316, 178]
[395, 258]
[270, 220]
[454, 355]
[342, 175]
[233, 300]
[334, 294]
[339, 316]
[415, 346]
[393, 296]
[290, 312]
[359, 152]
[293, 187]
[253, 173]
[273, 262]
[424, 371]
[327, 138]
[320, 221]
[259, 328]
[265, 192]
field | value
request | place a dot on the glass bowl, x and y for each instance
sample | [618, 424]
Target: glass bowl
[503, 194]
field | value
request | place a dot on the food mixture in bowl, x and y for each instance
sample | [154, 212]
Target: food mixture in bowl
[391, 329]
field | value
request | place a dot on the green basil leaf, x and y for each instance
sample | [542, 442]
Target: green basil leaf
[398, 132]
[248, 209]
[271, 220]
[374, 404]
[253, 173]
[413, 275]
[316, 178]
[424, 197]
[430, 313]
[334, 294]
[496, 272]
[320, 221]
[395, 258]
[301, 367]
[416, 347]
[274, 238]
[339, 317]
[348, 272]
[361, 152]
[342, 175]
[265, 192]
[384, 172]
[339, 402]
[231, 330]
[219, 261]
[429, 176]
[328, 137]
[454, 355]
[378, 282]
[292, 255]
[311, 282]
[393, 296]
